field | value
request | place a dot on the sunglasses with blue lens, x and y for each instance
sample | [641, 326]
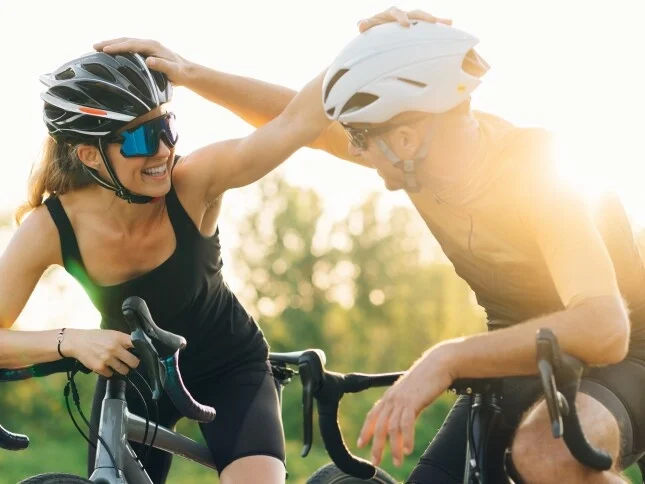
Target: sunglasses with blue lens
[143, 140]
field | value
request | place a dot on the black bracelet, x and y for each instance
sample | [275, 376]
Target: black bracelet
[59, 338]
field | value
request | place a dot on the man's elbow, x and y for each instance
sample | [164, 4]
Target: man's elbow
[613, 329]
[619, 341]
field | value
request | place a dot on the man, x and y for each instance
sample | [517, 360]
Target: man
[533, 252]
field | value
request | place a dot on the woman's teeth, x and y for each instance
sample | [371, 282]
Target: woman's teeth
[160, 170]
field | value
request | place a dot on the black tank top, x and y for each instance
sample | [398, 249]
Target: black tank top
[186, 294]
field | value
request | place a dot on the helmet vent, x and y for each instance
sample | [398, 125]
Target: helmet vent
[330, 112]
[160, 80]
[414, 83]
[474, 64]
[359, 100]
[137, 87]
[333, 81]
[53, 112]
[66, 74]
[69, 94]
[99, 71]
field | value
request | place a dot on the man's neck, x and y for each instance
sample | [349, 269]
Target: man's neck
[453, 146]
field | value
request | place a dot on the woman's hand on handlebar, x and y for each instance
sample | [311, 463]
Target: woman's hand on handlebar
[101, 350]
[395, 414]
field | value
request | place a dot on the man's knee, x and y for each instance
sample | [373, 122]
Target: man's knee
[538, 457]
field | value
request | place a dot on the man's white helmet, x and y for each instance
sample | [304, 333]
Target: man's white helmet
[391, 69]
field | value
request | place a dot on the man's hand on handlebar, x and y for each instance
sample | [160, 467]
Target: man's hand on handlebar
[395, 414]
[101, 350]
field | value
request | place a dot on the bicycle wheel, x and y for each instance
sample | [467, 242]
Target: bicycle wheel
[53, 478]
[330, 474]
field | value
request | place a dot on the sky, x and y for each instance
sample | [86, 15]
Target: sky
[574, 67]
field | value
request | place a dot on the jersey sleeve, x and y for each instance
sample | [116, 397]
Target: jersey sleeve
[561, 221]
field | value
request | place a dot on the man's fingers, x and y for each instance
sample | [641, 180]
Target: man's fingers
[380, 433]
[368, 426]
[146, 47]
[396, 440]
[407, 428]
[162, 65]
[99, 45]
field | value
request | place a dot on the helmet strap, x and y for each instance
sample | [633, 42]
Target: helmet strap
[408, 167]
[118, 187]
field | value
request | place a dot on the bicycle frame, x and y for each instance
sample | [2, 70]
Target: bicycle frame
[557, 370]
[486, 416]
[117, 426]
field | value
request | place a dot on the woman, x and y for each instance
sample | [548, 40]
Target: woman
[126, 216]
[110, 133]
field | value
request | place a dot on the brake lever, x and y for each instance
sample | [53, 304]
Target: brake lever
[156, 373]
[311, 369]
[307, 407]
[545, 363]
[566, 372]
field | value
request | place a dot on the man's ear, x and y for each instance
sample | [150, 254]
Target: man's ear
[89, 155]
[405, 142]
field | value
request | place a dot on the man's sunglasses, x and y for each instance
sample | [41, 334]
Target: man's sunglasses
[359, 137]
[143, 140]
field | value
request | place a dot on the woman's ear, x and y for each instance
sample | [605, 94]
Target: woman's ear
[89, 155]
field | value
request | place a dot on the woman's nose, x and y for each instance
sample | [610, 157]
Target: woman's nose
[164, 149]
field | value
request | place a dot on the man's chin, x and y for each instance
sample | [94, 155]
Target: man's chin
[394, 186]
[392, 183]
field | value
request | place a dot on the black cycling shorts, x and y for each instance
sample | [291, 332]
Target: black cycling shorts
[618, 387]
[248, 419]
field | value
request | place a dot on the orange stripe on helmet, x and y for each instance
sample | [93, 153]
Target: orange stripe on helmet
[87, 110]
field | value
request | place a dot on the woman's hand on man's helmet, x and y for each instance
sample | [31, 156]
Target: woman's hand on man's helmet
[394, 14]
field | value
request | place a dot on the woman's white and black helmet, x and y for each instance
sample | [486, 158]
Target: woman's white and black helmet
[98, 93]
[391, 69]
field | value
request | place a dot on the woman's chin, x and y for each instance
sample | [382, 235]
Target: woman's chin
[158, 189]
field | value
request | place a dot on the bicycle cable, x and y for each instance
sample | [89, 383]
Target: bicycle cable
[154, 434]
[138, 455]
[71, 385]
[475, 471]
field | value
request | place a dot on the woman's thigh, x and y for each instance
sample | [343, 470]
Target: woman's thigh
[248, 421]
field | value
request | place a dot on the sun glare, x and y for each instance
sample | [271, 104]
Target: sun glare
[581, 169]
[60, 302]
